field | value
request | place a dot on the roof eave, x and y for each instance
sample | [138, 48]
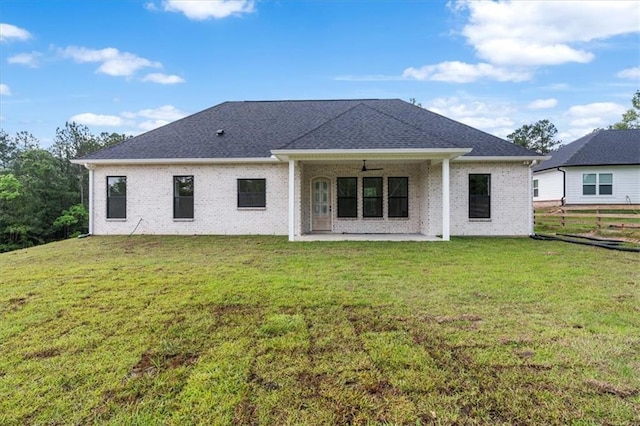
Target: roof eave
[160, 161]
[369, 154]
[494, 158]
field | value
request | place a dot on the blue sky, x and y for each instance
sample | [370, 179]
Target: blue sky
[128, 66]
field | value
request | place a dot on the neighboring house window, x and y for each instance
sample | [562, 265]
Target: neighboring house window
[597, 184]
[252, 193]
[398, 188]
[183, 197]
[372, 197]
[535, 187]
[589, 184]
[479, 196]
[347, 197]
[116, 197]
[605, 184]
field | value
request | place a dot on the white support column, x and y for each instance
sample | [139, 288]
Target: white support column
[445, 201]
[292, 200]
[91, 208]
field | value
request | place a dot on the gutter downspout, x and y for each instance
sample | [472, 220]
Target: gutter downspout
[564, 186]
[91, 209]
[531, 218]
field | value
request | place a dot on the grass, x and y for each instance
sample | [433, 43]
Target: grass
[256, 330]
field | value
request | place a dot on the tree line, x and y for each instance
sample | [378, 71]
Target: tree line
[43, 196]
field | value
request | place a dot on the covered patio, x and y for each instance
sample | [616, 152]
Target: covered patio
[314, 198]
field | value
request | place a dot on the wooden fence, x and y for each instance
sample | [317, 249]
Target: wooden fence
[626, 216]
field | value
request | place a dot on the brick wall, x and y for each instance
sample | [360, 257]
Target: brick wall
[511, 209]
[150, 200]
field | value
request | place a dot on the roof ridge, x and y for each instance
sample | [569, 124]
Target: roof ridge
[306, 100]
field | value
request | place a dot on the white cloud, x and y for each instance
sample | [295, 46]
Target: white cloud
[133, 122]
[28, 59]
[112, 61]
[598, 114]
[511, 33]
[460, 72]
[162, 78]
[630, 73]
[5, 90]
[543, 103]
[11, 32]
[166, 113]
[200, 10]
[91, 119]
[492, 118]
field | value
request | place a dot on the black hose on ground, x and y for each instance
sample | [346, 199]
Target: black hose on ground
[587, 241]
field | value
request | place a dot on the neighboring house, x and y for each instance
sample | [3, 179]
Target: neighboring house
[299, 167]
[600, 168]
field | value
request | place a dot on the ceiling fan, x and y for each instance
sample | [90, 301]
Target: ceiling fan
[365, 169]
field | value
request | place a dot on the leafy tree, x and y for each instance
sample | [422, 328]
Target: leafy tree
[10, 187]
[106, 139]
[539, 136]
[631, 118]
[75, 141]
[11, 147]
[72, 221]
[42, 194]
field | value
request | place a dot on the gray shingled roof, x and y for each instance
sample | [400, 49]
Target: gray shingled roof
[252, 129]
[604, 147]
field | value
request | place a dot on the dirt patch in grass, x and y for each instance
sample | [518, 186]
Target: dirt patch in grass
[458, 318]
[151, 364]
[43, 354]
[367, 319]
[246, 413]
[611, 389]
[16, 303]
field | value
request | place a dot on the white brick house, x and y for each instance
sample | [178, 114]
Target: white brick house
[302, 167]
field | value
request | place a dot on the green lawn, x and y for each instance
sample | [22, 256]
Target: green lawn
[256, 330]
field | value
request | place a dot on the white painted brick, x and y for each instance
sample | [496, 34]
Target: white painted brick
[150, 199]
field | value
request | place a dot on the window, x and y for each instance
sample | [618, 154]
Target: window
[252, 193]
[597, 184]
[535, 188]
[479, 196]
[116, 197]
[348, 197]
[183, 197]
[589, 184]
[398, 188]
[372, 197]
[605, 184]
